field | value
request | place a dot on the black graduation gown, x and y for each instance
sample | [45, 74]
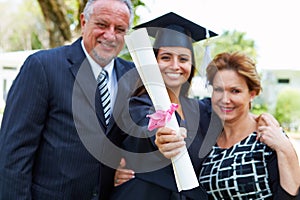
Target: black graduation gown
[151, 183]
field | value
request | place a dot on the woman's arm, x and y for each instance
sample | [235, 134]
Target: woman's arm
[288, 163]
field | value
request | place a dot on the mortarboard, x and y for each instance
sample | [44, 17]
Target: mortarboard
[172, 29]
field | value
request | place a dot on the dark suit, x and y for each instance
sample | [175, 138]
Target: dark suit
[155, 178]
[48, 120]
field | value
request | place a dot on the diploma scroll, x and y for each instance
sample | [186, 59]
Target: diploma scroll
[141, 51]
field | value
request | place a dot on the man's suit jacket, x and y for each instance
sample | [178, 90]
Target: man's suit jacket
[50, 116]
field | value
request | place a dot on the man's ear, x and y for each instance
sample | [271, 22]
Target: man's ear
[82, 21]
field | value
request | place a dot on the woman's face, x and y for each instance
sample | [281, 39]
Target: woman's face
[231, 95]
[175, 64]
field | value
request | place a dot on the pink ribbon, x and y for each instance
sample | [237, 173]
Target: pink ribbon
[160, 117]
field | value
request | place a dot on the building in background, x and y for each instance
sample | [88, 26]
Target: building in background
[10, 64]
[276, 80]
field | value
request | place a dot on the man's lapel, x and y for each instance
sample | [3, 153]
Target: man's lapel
[85, 85]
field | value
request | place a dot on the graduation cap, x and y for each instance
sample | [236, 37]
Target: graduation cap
[172, 29]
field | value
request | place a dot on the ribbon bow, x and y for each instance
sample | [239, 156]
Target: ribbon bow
[161, 117]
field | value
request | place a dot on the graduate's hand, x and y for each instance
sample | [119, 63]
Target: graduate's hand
[168, 142]
[123, 175]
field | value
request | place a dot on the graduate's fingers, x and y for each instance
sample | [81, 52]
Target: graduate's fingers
[174, 146]
[163, 139]
[122, 163]
[122, 175]
[170, 150]
[165, 131]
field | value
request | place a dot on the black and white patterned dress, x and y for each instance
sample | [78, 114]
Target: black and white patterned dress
[239, 172]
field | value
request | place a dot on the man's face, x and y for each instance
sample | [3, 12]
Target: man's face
[103, 33]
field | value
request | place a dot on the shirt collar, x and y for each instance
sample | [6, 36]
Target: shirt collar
[96, 68]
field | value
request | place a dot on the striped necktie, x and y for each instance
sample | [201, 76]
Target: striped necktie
[104, 94]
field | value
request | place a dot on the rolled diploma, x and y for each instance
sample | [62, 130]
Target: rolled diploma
[141, 51]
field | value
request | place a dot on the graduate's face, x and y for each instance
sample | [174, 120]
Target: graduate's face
[175, 64]
[103, 32]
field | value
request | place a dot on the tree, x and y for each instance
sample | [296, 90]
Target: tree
[288, 105]
[287, 110]
[235, 41]
[57, 19]
[226, 42]
[22, 26]
[48, 23]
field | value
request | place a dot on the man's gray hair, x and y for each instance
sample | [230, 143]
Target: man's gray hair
[88, 9]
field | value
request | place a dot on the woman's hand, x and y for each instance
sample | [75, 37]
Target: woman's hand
[270, 132]
[272, 135]
[123, 175]
[168, 142]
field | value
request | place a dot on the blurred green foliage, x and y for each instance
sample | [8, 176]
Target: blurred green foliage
[23, 26]
[287, 110]
[258, 109]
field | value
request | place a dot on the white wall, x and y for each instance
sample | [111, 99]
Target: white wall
[10, 64]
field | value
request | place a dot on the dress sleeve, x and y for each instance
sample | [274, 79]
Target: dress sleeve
[138, 135]
[277, 190]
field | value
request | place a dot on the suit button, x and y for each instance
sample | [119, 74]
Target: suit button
[95, 194]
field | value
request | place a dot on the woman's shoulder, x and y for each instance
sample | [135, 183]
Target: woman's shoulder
[206, 101]
[205, 105]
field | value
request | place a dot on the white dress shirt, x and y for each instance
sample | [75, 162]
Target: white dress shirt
[112, 78]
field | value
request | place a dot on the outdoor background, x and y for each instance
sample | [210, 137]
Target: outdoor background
[266, 30]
